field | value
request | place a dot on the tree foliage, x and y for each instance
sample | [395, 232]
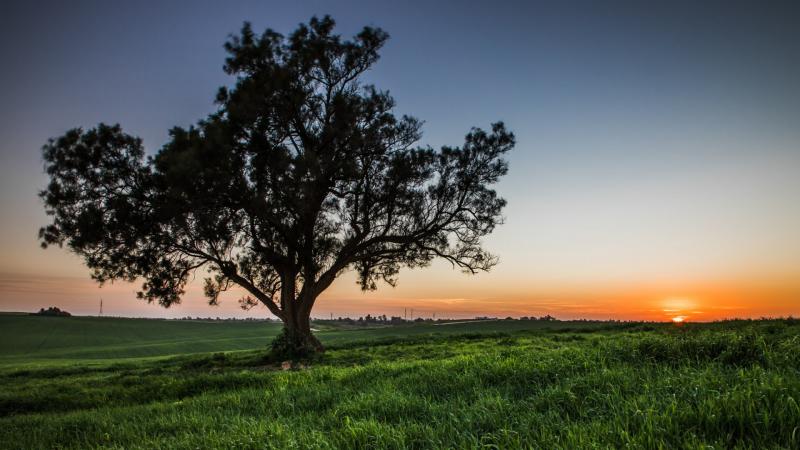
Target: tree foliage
[303, 172]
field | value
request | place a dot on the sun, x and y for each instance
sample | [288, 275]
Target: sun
[678, 309]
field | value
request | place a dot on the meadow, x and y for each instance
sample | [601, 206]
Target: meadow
[85, 382]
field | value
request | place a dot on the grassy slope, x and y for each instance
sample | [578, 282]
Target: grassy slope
[724, 385]
[33, 339]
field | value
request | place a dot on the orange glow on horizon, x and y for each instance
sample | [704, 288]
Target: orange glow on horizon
[444, 294]
[682, 306]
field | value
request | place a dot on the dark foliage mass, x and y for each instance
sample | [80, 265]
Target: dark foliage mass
[302, 173]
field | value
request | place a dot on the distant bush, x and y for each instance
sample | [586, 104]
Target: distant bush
[52, 311]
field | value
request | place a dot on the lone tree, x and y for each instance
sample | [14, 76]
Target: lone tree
[301, 174]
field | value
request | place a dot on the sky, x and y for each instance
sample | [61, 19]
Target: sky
[656, 173]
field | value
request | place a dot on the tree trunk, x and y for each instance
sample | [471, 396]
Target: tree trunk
[297, 341]
[298, 324]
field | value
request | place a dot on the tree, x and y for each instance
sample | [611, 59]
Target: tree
[302, 173]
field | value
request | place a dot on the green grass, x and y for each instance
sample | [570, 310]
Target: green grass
[482, 385]
[33, 338]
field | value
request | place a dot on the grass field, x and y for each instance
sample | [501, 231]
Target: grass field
[133, 383]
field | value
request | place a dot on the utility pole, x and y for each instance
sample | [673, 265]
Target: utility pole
[405, 314]
[101, 306]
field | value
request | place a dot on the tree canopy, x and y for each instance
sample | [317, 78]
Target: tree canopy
[303, 172]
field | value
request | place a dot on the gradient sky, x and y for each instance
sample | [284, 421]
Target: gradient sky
[657, 171]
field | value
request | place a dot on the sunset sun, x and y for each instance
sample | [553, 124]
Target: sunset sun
[678, 309]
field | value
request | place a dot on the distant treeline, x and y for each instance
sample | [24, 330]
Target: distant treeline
[382, 319]
[227, 319]
[397, 320]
